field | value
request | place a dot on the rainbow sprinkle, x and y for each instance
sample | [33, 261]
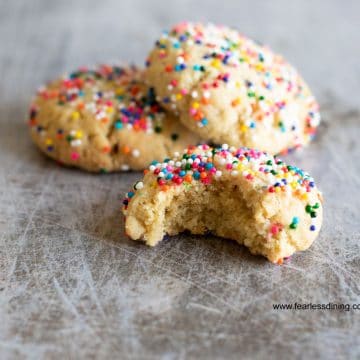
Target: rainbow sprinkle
[116, 98]
[206, 164]
[219, 51]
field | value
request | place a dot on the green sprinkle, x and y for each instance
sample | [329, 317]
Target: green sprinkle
[308, 209]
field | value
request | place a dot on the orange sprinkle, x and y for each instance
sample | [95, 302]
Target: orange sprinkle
[235, 102]
[280, 261]
[188, 178]
[106, 149]
[125, 149]
[205, 101]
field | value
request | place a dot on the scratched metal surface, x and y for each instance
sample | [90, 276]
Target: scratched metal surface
[73, 286]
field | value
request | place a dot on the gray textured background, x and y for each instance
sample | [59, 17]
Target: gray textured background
[71, 284]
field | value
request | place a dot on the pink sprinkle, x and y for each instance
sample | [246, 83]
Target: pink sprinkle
[75, 156]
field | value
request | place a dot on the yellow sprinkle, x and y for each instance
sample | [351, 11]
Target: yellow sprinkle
[259, 67]
[293, 184]
[48, 142]
[75, 115]
[304, 196]
[243, 128]
[110, 109]
[79, 134]
[238, 84]
[216, 63]
[119, 91]
[240, 167]
[277, 189]
[195, 105]
[179, 96]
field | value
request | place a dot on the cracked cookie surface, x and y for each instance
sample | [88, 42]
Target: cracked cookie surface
[230, 89]
[104, 119]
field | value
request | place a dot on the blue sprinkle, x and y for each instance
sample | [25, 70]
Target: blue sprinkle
[312, 228]
[182, 173]
[118, 125]
[204, 121]
[196, 175]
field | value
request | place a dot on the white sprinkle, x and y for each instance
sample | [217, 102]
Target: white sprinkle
[178, 164]
[194, 94]
[234, 173]
[76, 142]
[225, 146]
[124, 167]
[176, 154]
[139, 185]
[206, 94]
[152, 167]
[170, 87]
[180, 60]
[218, 173]
[135, 153]
[161, 174]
